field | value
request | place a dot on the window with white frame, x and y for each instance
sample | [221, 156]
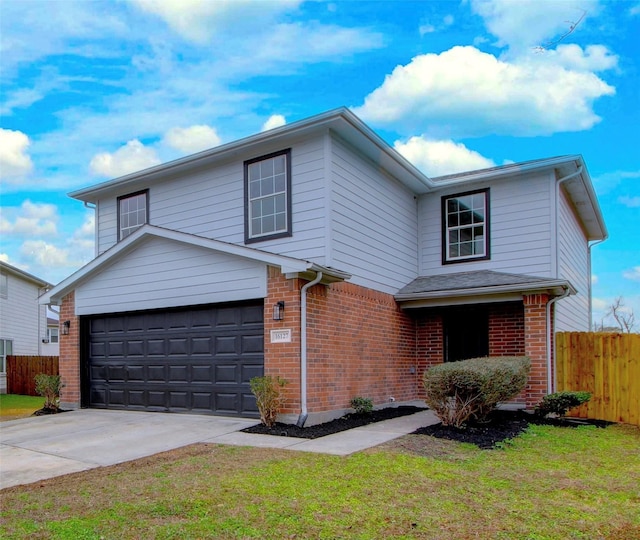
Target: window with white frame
[6, 349]
[53, 334]
[465, 226]
[268, 197]
[133, 213]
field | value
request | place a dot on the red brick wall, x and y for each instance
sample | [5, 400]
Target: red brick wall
[283, 359]
[506, 329]
[536, 346]
[359, 343]
[70, 353]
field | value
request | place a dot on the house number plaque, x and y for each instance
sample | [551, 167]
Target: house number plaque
[281, 336]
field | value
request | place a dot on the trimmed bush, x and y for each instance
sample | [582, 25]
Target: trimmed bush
[467, 391]
[560, 403]
[269, 397]
[362, 405]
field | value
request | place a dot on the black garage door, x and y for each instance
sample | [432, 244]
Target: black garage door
[197, 360]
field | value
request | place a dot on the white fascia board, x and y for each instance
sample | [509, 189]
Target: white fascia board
[286, 264]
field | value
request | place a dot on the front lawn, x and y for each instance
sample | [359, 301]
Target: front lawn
[551, 482]
[13, 406]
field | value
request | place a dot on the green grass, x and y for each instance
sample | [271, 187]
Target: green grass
[13, 406]
[550, 483]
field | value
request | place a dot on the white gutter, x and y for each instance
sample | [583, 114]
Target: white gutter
[303, 349]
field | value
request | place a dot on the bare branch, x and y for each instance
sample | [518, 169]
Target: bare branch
[572, 27]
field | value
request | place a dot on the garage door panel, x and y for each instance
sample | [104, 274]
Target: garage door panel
[198, 360]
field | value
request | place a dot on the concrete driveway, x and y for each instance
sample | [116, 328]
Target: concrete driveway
[42, 447]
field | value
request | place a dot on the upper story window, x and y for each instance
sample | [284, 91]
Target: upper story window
[267, 186]
[4, 286]
[133, 213]
[465, 227]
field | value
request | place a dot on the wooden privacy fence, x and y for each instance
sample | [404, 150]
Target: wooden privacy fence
[608, 366]
[21, 372]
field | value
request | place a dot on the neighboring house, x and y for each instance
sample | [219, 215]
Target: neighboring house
[23, 321]
[51, 341]
[316, 252]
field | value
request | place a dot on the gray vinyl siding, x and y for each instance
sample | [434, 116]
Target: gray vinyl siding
[210, 203]
[107, 225]
[521, 228]
[374, 223]
[572, 313]
[161, 273]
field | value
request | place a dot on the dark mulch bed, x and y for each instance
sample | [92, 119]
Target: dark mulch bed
[45, 410]
[502, 425]
[349, 421]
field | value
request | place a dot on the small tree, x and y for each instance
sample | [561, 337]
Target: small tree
[623, 315]
[49, 387]
[269, 397]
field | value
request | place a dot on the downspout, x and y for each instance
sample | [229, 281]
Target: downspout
[551, 379]
[551, 374]
[303, 349]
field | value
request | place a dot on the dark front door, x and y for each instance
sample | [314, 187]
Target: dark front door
[196, 360]
[466, 333]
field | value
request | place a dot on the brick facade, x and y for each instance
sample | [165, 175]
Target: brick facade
[69, 358]
[359, 343]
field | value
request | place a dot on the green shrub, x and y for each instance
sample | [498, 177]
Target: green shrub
[560, 403]
[49, 387]
[269, 397]
[459, 392]
[362, 405]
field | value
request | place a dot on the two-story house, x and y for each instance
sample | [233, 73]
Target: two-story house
[23, 321]
[316, 252]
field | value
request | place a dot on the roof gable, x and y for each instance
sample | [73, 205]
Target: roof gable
[288, 265]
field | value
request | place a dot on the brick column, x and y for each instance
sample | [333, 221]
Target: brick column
[69, 359]
[535, 328]
[429, 346]
[283, 359]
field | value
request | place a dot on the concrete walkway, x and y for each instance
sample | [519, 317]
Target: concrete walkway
[43, 447]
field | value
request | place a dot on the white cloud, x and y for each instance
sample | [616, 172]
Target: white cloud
[607, 182]
[633, 274]
[448, 20]
[629, 202]
[274, 121]
[15, 162]
[133, 156]
[32, 219]
[438, 158]
[525, 24]
[426, 29]
[594, 279]
[199, 21]
[635, 10]
[192, 139]
[45, 254]
[466, 92]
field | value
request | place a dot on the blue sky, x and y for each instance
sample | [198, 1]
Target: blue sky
[92, 90]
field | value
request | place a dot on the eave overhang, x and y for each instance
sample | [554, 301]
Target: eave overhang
[483, 294]
[289, 266]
